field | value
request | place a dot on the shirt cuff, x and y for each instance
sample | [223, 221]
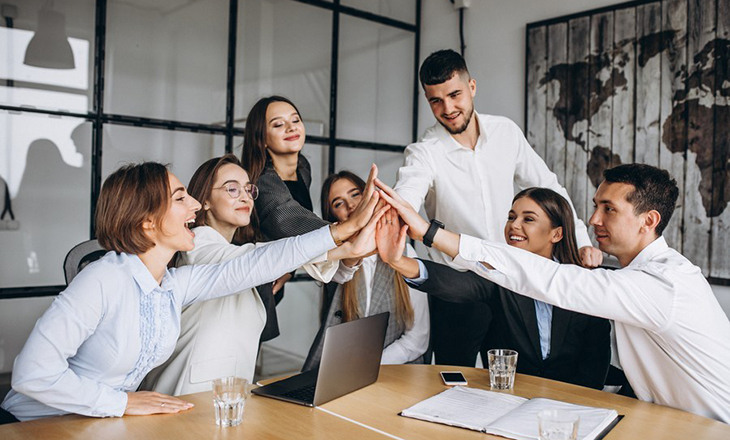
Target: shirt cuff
[422, 275]
[472, 251]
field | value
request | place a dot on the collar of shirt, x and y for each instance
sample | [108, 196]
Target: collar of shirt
[649, 252]
[450, 144]
[146, 282]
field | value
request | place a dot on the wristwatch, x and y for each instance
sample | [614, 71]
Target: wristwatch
[431, 233]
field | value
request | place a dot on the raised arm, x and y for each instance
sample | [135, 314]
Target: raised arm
[414, 177]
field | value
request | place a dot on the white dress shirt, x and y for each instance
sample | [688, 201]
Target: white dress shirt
[114, 323]
[671, 333]
[471, 191]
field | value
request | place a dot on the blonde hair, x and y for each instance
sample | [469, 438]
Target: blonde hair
[350, 311]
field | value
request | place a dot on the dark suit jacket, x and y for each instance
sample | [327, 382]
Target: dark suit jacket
[580, 345]
[279, 214]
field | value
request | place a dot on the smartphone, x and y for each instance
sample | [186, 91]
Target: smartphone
[453, 378]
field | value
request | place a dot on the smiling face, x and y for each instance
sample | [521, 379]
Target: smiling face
[223, 212]
[529, 227]
[452, 102]
[619, 230]
[174, 234]
[344, 197]
[284, 129]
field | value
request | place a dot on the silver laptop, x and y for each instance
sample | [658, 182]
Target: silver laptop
[350, 360]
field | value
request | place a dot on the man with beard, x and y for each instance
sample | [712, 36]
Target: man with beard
[464, 171]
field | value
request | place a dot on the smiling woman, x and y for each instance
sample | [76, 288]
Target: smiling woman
[120, 317]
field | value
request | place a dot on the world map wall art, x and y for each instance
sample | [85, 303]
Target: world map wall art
[645, 82]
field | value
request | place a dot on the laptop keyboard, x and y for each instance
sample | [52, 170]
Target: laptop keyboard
[305, 394]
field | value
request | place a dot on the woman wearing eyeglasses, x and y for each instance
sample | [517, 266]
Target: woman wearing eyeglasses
[221, 337]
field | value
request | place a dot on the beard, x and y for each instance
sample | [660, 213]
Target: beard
[463, 127]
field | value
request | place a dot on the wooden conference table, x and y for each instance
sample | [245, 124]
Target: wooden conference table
[369, 413]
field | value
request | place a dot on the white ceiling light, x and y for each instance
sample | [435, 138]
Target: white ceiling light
[49, 47]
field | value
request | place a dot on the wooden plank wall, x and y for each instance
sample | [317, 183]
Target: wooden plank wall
[719, 261]
[635, 84]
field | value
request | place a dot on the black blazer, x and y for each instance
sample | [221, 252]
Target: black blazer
[580, 345]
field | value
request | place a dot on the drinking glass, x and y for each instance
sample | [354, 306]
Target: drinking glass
[229, 399]
[502, 366]
[557, 425]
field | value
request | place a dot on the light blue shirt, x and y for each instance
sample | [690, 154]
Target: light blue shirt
[543, 311]
[114, 323]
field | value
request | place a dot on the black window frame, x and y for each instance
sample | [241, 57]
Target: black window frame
[99, 118]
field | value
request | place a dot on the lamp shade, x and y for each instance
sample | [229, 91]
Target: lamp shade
[49, 47]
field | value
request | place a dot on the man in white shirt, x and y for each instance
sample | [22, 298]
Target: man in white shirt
[671, 333]
[464, 171]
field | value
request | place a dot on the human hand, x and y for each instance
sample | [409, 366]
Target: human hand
[363, 244]
[390, 237]
[279, 284]
[149, 402]
[590, 256]
[364, 211]
[417, 226]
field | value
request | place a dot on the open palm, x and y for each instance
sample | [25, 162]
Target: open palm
[390, 237]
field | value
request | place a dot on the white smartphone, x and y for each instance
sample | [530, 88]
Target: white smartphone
[451, 378]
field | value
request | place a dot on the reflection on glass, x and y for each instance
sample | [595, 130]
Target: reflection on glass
[403, 10]
[167, 60]
[318, 157]
[358, 161]
[45, 162]
[25, 39]
[375, 85]
[284, 48]
[185, 152]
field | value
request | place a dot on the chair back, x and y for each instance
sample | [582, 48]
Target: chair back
[80, 256]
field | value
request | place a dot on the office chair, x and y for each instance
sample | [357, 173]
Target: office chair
[80, 256]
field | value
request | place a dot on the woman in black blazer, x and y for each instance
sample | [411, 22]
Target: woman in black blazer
[551, 342]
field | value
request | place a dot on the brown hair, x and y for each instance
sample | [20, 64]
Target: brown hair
[560, 214]
[253, 156]
[201, 188]
[403, 308]
[130, 196]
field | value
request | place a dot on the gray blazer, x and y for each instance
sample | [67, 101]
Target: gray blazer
[279, 214]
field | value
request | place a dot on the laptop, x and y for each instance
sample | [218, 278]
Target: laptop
[350, 361]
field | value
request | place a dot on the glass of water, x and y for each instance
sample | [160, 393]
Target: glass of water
[229, 399]
[557, 425]
[502, 367]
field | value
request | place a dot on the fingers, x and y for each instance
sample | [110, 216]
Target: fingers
[370, 185]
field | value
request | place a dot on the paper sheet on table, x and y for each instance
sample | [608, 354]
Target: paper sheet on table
[521, 423]
[469, 408]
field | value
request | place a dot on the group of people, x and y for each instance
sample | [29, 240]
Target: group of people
[189, 287]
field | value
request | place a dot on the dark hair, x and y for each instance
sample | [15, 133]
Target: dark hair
[654, 189]
[130, 196]
[253, 156]
[560, 214]
[440, 66]
[201, 188]
[329, 181]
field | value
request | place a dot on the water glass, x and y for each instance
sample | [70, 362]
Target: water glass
[502, 367]
[557, 425]
[229, 399]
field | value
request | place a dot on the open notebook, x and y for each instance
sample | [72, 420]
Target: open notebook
[505, 415]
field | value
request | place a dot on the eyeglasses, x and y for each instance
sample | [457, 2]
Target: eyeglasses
[234, 190]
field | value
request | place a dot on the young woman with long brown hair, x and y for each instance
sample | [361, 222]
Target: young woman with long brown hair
[375, 288]
[552, 342]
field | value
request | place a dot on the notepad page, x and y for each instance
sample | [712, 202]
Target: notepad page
[465, 407]
[521, 424]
